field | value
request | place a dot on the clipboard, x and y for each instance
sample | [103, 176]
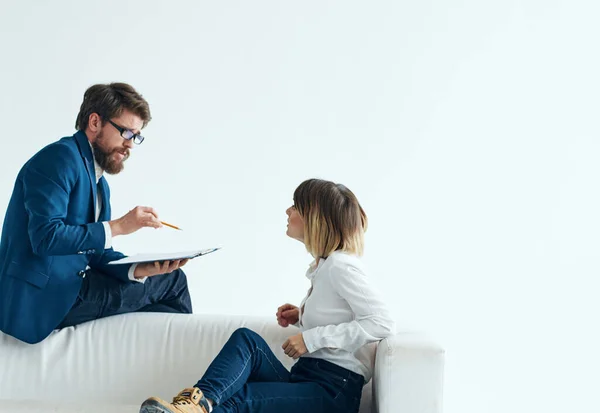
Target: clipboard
[169, 256]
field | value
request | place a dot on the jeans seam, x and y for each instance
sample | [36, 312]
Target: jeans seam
[234, 380]
[242, 371]
[271, 363]
[282, 397]
[343, 387]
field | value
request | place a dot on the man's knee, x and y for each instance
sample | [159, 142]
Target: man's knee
[180, 278]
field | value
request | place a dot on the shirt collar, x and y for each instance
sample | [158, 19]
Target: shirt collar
[99, 171]
[313, 267]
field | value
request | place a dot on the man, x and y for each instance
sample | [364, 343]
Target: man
[57, 232]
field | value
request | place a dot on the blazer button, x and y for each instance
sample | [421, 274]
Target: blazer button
[81, 273]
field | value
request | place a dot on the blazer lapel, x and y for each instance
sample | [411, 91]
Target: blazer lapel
[88, 159]
[105, 210]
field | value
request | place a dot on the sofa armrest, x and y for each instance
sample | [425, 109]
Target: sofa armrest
[409, 375]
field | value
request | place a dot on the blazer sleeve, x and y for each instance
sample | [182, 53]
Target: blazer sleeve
[48, 181]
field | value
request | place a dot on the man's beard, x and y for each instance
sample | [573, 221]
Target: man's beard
[106, 159]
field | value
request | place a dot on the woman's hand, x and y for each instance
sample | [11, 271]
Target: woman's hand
[294, 346]
[287, 314]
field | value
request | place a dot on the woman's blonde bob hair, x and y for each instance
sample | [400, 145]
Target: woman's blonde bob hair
[333, 218]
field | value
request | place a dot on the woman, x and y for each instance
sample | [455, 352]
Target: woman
[339, 316]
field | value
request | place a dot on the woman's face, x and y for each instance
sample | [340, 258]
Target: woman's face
[295, 228]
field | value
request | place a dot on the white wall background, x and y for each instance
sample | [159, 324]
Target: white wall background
[468, 130]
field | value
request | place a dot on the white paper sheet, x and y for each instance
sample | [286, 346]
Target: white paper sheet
[168, 256]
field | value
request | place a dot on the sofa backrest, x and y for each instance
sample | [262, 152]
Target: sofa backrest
[127, 358]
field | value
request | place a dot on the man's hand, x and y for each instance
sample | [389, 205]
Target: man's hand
[287, 314]
[149, 269]
[294, 346]
[135, 219]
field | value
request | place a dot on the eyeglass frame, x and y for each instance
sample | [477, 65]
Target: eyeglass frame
[133, 136]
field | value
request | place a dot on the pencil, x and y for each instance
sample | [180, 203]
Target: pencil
[169, 225]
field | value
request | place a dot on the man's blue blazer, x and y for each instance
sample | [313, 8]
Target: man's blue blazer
[50, 236]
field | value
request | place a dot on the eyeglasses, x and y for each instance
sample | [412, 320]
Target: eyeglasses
[127, 134]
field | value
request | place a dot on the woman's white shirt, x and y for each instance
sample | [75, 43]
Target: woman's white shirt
[343, 313]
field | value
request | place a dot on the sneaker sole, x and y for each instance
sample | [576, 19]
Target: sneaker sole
[152, 406]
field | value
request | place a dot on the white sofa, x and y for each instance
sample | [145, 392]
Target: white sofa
[113, 364]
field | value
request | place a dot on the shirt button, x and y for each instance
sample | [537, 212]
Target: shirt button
[81, 273]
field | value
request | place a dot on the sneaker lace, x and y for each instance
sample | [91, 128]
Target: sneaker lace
[182, 400]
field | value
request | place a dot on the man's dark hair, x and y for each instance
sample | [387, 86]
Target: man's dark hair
[109, 101]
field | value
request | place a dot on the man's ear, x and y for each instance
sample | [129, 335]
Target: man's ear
[94, 123]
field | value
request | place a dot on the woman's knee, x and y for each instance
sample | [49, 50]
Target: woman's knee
[246, 334]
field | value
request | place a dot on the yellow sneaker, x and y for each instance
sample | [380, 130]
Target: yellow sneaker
[187, 401]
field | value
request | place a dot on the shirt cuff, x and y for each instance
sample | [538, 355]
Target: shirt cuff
[132, 278]
[107, 235]
[311, 338]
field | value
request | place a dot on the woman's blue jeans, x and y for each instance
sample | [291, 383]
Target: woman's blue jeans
[247, 377]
